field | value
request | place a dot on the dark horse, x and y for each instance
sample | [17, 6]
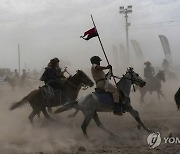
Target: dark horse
[70, 92]
[153, 84]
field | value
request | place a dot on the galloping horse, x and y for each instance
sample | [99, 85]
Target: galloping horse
[153, 84]
[90, 104]
[70, 92]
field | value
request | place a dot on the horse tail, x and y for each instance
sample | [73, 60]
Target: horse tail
[19, 104]
[66, 107]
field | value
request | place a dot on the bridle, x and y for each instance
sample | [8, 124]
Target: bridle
[132, 79]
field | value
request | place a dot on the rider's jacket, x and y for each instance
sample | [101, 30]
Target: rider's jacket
[50, 74]
[98, 76]
[149, 72]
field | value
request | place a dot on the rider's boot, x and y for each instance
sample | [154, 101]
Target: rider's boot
[118, 109]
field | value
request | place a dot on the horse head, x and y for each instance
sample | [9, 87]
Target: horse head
[134, 77]
[161, 75]
[84, 79]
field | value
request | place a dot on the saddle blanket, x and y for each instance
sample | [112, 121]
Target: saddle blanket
[105, 98]
[50, 97]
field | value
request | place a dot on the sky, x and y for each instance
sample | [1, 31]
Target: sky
[52, 28]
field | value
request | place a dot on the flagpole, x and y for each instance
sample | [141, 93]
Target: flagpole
[19, 59]
[103, 48]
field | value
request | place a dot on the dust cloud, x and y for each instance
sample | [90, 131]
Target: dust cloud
[64, 135]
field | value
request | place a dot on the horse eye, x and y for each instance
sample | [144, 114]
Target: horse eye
[137, 74]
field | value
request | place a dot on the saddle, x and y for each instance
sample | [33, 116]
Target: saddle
[104, 97]
[50, 97]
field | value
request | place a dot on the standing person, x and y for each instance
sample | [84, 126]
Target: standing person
[99, 77]
[148, 71]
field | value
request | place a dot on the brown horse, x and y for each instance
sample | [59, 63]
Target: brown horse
[154, 84]
[70, 92]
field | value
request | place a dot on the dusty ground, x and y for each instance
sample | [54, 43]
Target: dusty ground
[65, 136]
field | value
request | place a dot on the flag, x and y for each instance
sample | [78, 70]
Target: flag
[137, 50]
[166, 47]
[90, 34]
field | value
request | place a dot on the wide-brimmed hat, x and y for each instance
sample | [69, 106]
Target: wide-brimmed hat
[147, 63]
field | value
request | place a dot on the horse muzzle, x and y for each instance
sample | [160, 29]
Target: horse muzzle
[91, 84]
[142, 84]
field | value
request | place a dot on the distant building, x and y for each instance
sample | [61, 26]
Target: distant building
[4, 72]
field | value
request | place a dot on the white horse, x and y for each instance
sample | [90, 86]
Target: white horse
[90, 104]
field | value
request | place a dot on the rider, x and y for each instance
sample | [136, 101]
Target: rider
[148, 71]
[99, 77]
[53, 75]
[165, 65]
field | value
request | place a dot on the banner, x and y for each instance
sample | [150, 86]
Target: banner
[123, 54]
[137, 49]
[166, 47]
[115, 56]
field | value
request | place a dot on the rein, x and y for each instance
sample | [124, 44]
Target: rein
[84, 87]
[73, 85]
[132, 80]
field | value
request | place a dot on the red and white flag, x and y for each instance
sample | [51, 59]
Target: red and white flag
[90, 34]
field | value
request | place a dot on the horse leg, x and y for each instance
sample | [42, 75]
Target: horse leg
[50, 110]
[158, 96]
[31, 116]
[85, 124]
[46, 115]
[142, 97]
[100, 125]
[135, 114]
[39, 114]
[163, 96]
[73, 114]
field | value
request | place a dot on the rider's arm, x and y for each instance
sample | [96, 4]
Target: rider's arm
[61, 73]
[101, 68]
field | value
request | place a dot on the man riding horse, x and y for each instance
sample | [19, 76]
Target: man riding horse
[99, 77]
[53, 76]
[148, 71]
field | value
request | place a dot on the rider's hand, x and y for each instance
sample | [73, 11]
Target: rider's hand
[65, 69]
[109, 67]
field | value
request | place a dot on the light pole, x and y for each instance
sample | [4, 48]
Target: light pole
[126, 11]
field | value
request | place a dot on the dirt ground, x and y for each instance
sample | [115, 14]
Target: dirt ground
[64, 135]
